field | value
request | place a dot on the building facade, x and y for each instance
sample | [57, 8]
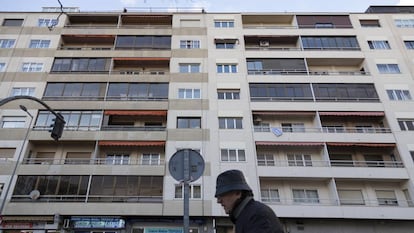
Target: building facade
[315, 108]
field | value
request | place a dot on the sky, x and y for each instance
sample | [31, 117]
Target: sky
[208, 5]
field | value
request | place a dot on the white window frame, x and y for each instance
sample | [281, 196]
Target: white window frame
[189, 93]
[386, 198]
[39, 44]
[299, 160]
[379, 44]
[18, 91]
[265, 160]
[293, 127]
[11, 122]
[32, 67]
[117, 159]
[388, 69]
[305, 196]
[228, 94]
[7, 43]
[230, 123]
[189, 67]
[195, 191]
[150, 159]
[269, 195]
[404, 23]
[42, 22]
[232, 155]
[406, 124]
[189, 44]
[224, 23]
[226, 68]
[399, 95]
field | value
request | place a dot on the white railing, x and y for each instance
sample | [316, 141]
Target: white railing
[328, 129]
[331, 163]
[90, 161]
[383, 202]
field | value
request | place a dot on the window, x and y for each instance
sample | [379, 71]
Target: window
[32, 67]
[345, 92]
[230, 123]
[379, 44]
[47, 22]
[386, 198]
[233, 155]
[374, 160]
[407, 198]
[305, 196]
[331, 128]
[270, 195]
[2, 66]
[75, 120]
[195, 191]
[280, 91]
[189, 122]
[39, 43]
[324, 25]
[224, 24]
[117, 159]
[187, 93]
[13, 121]
[189, 44]
[409, 44]
[150, 159]
[13, 22]
[402, 95]
[265, 160]
[7, 43]
[330, 43]
[406, 124]
[226, 68]
[80, 64]
[351, 197]
[299, 160]
[341, 160]
[404, 23]
[143, 42]
[17, 91]
[226, 45]
[74, 90]
[228, 94]
[137, 91]
[189, 68]
[293, 127]
[412, 155]
[261, 126]
[370, 23]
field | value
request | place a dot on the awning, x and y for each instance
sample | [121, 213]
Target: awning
[361, 144]
[131, 143]
[136, 112]
[225, 40]
[28, 218]
[263, 143]
[351, 113]
[284, 113]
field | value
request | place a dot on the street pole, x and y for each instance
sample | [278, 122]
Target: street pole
[186, 218]
[17, 160]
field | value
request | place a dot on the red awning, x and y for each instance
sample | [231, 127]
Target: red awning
[263, 143]
[136, 112]
[361, 144]
[132, 143]
[284, 113]
[351, 114]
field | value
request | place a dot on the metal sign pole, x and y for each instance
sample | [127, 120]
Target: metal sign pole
[186, 218]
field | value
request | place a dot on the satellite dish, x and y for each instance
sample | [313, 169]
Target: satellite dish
[34, 194]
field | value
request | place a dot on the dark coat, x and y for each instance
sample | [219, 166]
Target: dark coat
[257, 217]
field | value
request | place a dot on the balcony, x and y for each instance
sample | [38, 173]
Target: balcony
[92, 21]
[272, 43]
[284, 21]
[87, 42]
[146, 21]
[336, 67]
[138, 120]
[141, 66]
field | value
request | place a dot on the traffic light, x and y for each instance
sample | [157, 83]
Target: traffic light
[57, 127]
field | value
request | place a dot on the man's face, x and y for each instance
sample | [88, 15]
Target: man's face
[227, 200]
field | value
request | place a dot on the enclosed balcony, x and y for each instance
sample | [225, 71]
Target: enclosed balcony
[272, 43]
[324, 21]
[276, 66]
[87, 42]
[336, 66]
[146, 21]
[267, 21]
[141, 66]
[92, 21]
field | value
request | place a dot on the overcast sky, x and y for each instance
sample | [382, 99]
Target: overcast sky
[208, 5]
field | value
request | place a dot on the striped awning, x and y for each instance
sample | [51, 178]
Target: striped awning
[131, 143]
[136, 112]
[268, 143]
[361, 144]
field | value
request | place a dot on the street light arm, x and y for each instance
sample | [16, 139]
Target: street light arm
[6, 100]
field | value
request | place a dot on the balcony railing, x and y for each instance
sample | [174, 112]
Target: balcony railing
[89, 198]
[331, 163]
[348, 73]
[85, 48]
[137, 72]
[249, 47]
[392, 202]
[328, 129]
[132, 128]
[90, 161]
[277, 72]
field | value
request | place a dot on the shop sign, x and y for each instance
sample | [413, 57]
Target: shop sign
[163, 230]
[16, 225]
[97, 222]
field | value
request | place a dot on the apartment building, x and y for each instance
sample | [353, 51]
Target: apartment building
[315, 108]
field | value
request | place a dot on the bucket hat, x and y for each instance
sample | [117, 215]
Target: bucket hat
[231, 180]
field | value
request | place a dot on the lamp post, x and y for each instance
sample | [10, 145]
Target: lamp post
[22, 107]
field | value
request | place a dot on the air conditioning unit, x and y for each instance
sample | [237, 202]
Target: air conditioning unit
[264, 43]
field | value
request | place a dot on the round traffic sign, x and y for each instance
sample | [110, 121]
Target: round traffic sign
[194, 161]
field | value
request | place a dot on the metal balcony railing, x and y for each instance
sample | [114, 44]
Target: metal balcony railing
[328, 129]
[277, 72]
[331, 163]
[89, 198]
[132, 128]
[392, 202]
[90, 161]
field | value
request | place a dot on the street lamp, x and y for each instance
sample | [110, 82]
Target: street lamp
[22, 107]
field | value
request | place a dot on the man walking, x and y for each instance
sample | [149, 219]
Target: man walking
[248, 215]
